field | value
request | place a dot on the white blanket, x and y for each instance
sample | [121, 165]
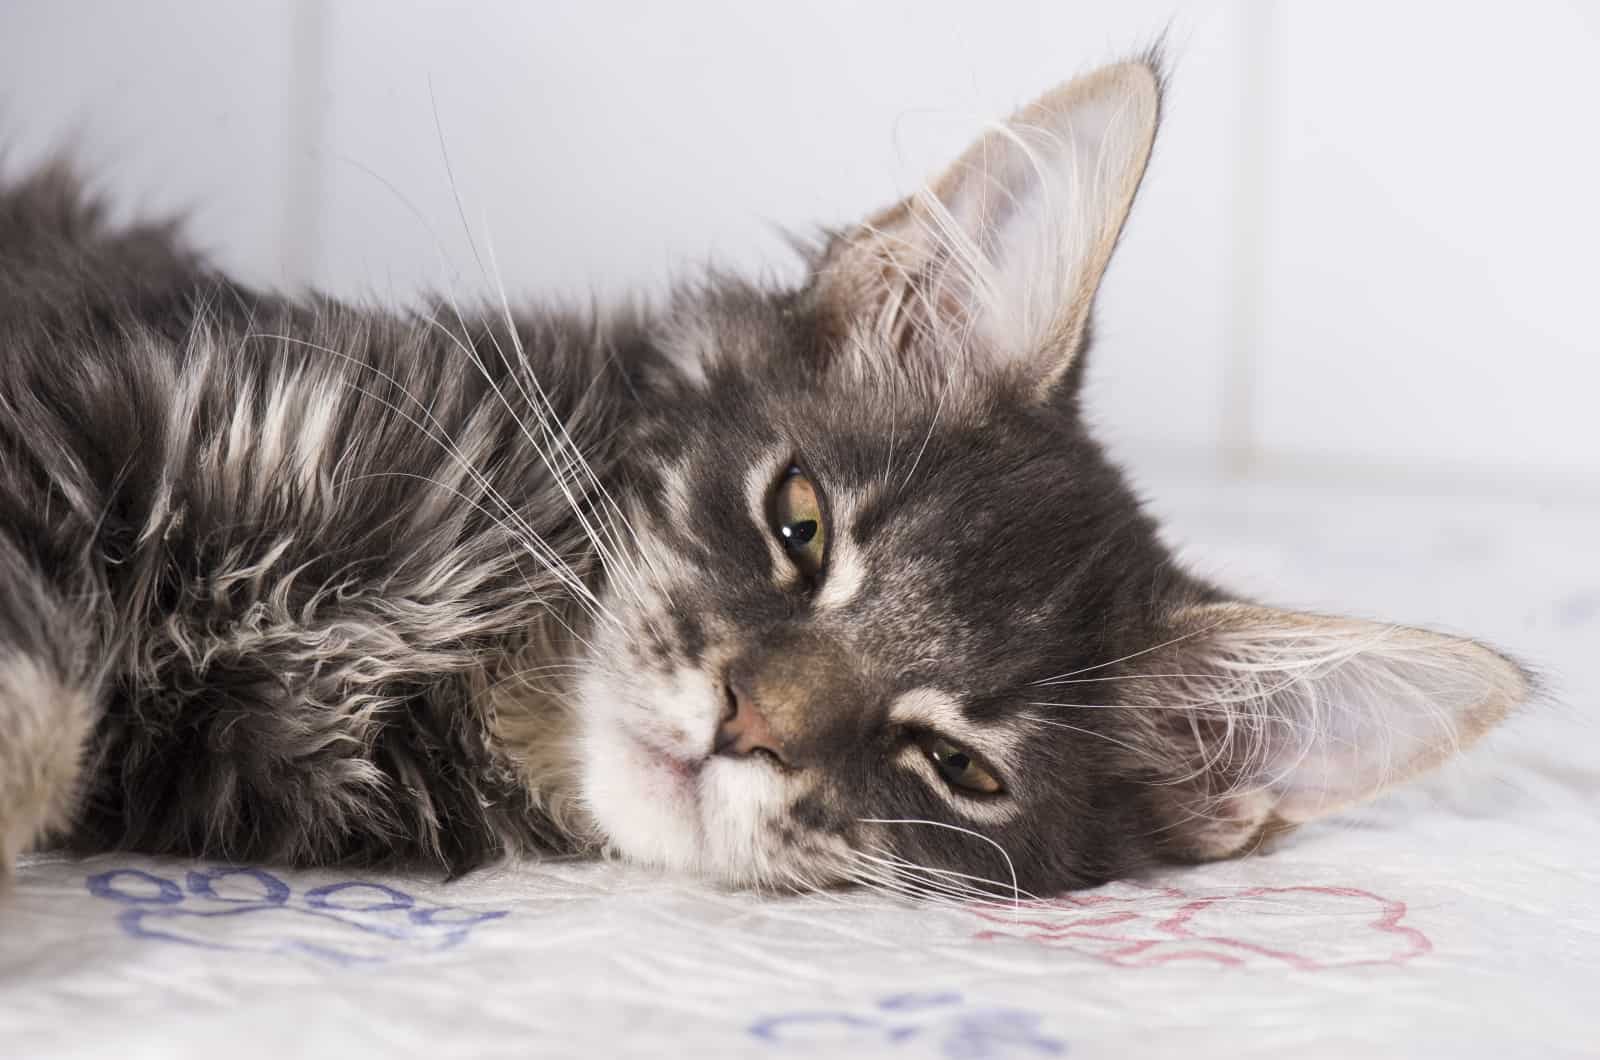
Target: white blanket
[1456, 919]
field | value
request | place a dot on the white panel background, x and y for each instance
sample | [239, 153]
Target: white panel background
[171, 105]
[1433, 221]
[1365, 248]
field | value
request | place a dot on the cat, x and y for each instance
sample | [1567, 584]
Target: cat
[787, 588]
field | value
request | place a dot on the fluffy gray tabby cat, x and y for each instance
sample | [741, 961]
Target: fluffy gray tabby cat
[784, 587]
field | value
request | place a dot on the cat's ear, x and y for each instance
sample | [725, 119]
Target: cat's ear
[993, 266]
[1253, 719]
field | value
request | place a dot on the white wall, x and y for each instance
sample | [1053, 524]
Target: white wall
[171, 105]
[1365, 247]
[1431, 285]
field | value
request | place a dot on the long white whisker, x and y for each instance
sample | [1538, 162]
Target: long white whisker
[1010, 866]
[1130, 655]
[436, 432]
[952, 875]
[572, 446]
[934, 422]
[557, 473]
[607, 557]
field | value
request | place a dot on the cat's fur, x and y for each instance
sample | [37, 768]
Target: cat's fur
[296, 581]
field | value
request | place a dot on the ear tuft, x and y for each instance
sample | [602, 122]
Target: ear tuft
[993, 267]
[1258, 718]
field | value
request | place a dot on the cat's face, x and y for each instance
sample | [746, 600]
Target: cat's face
[878, 609]
[886, 667]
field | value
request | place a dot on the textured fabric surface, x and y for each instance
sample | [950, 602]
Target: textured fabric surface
[1457, 918]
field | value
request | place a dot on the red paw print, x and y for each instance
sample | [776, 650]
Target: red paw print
[1134, 926]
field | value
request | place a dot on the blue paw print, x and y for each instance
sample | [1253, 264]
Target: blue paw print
[944, 1021]
[244, 910]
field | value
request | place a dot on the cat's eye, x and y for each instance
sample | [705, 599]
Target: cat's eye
[958, 767]
[799, 521]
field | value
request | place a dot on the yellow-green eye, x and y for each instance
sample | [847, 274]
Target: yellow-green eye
[958, 767]
[798, 521]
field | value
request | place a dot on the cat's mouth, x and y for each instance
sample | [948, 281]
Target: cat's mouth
[677, 770]
[652, 784]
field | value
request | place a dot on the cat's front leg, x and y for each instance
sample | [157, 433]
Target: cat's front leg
[49, 702]
[44, 726]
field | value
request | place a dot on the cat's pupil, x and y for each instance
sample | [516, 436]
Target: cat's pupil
[798, 534]
[957, 762]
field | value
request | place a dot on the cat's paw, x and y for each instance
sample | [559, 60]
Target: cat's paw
[253, 911]
[22, 822]
[44, 724]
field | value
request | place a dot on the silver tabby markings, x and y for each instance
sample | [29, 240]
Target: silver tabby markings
[790, 588]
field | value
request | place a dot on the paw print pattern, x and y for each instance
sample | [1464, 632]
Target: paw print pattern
[1308, 928]
[944, 1022]
[244, 910]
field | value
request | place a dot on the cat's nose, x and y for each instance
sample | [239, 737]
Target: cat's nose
[744, 729]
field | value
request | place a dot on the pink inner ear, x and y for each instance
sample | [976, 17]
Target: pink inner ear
[1028, 216]
[993, 266]
[1333, 711]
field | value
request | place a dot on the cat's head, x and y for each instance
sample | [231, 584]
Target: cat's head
[881, 610]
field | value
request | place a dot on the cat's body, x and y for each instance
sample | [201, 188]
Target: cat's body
[273, 551]
[791, 587]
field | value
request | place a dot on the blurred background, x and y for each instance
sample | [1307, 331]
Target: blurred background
[1348, 348]
[1365, 251]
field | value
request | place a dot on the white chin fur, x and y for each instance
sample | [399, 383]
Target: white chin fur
[656, 794]
[647, 811]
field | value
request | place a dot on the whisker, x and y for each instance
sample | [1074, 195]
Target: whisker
[1010, 866]
[581, 462]
[1131, 655]
[523, 532]
[933, 423]
[606, 556]
[890, 857]
[559, 475]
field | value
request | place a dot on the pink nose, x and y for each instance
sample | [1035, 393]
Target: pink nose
[744, 729]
